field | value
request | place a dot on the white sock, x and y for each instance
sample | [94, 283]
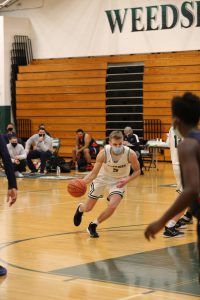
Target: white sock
[95, 222]
[171, 223]
[79, 208]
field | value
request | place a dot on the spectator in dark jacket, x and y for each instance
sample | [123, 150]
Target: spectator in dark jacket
[131, 140]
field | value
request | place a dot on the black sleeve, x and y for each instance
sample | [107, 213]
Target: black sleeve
[136, 145]
[7, 164]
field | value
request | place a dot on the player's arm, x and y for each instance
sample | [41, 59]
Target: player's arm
[77, 143]
[189, 161]
[135, 166]
[99, 161]
[87, 140]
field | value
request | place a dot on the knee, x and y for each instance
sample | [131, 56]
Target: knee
[86, 151]
[87, 208]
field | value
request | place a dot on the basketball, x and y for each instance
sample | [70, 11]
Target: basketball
[77, 187]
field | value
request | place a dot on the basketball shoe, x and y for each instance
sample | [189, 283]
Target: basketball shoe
[78, 216]
[92, 230]
[3, 271]
[187, 219]
[172, 232]
[181, 224]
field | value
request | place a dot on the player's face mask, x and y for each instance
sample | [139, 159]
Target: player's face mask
[117, 150]
[14, 144]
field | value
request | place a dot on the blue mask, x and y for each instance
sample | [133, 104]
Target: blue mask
[117, 150]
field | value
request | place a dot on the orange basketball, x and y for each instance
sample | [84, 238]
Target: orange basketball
[77, 187]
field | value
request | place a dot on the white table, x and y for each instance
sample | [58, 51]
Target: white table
[155, 145]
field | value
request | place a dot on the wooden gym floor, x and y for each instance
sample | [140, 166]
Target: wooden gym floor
[49, 259]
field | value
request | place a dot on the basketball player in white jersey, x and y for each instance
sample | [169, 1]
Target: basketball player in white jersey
[171, 227]
[111, 172]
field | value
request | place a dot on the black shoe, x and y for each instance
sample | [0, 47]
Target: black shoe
[3, 271]
[33, 172]
[181, 224]
[172, 232]
[141, 172]
[187, 220]
[78, 217]
[92, 230]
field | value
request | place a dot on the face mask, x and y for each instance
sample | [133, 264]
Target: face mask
[117, 150]
[14, 144]
[10, 129]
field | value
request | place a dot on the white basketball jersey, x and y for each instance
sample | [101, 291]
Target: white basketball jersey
[118, 169]
[173, 141]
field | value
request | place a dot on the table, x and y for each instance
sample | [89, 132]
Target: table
[155, 145]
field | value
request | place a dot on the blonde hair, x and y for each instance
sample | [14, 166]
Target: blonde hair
[116, 134]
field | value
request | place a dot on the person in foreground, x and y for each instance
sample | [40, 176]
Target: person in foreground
[12, 184]
[111, 171]
[186, 115]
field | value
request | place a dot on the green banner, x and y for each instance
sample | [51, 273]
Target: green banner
[5, 115]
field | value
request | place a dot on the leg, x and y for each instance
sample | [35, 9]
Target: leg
[74, 155]
[177, 174]
[32, 154]
[115, 200]
[22, 166]
[88, 205]
[96, 192]
[198, 245]
[86, 153]
[44, 156]
[83, 207]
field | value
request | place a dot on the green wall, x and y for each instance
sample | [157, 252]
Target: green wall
[5, 115]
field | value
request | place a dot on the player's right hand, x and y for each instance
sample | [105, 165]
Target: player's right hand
[152, 229]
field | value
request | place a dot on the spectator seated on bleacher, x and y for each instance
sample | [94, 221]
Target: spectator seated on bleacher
[18, 156]
[42, 149]
[132, 140]
[86, 147]
[42, 126]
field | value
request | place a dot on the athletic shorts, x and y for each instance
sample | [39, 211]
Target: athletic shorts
[94, 150]
[102, 184]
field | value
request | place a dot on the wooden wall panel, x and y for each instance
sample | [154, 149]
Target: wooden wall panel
[69, 93]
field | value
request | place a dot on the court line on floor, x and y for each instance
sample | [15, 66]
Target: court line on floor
[137, 295]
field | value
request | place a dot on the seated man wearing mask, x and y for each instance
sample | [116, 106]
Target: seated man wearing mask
[18, 156]
[42, 149]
